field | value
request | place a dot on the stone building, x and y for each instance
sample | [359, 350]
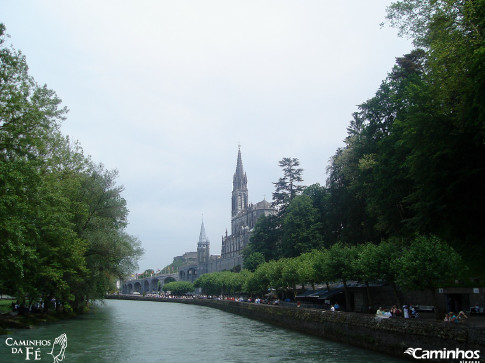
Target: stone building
[243, 219]
[188, 258]
[201, 262]
[244, 216]
[203, 251]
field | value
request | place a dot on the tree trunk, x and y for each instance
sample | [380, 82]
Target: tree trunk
[370, 302]
[396, 294]
[347, 297]
[437, 311]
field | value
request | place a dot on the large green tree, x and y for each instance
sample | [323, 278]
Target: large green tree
[179, 288]
[444, 128]
[300, 227]
[426, 264]
[337, 264]
[288, 186]
[62, 217]
[266, 238]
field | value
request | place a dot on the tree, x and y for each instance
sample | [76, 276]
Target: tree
[265, 238]
[377, 263]
[126, 254]
[426, 264]
[347, 213]
[208, 284]
[325, 225]
[339, 266]
[321, 266]
[62, 217]
[444, 128]
[239, 279]
[290, 275]
[29, 118]
[287, 187]
[306, 268]
[300, 227]
[252, 261]
[260, 281]
[223, 283]
[179, 288]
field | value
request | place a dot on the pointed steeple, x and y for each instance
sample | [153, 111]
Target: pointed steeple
[239, 187]
[239, 165]
[239, 180]
[202, 235]
[203, 250]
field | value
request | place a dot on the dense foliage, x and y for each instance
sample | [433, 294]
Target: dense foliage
[423, 263]
[62, 217]
[414, 158]
[178, 288]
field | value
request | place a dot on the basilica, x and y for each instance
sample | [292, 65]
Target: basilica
[244, 216]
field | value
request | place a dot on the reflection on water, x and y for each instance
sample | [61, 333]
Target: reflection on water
[146, 331]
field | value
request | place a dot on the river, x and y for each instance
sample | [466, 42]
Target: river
[145, 331]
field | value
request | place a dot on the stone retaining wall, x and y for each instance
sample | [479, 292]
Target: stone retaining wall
[392, 336]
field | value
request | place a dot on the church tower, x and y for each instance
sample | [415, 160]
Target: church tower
[203, 250]
[239, 188]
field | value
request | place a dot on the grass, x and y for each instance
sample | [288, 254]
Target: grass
[6, 305]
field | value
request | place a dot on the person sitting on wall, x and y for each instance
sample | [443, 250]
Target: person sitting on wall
[336, 306]
[382, 314]
[406, 312]
[461, 316]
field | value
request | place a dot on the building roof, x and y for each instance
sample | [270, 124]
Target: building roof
[264, 204]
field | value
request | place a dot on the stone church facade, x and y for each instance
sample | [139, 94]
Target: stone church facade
[244, 216]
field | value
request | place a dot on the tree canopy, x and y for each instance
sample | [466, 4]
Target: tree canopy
[413, 161]
[62, 216]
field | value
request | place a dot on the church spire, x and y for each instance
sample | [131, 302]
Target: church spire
[239, 180]
[203, 250]
[202, 235]
[239, 187]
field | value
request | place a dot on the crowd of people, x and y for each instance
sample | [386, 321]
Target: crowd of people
[451, 317]
[37, 307]
[406, 312]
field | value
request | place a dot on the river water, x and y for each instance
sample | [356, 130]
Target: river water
[146, 331]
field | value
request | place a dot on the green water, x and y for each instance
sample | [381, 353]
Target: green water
[145, 331]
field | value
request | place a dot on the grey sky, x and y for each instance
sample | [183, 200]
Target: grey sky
[164, 91]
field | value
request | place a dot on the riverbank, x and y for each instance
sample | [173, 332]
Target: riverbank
[16, 321]
[391, 336]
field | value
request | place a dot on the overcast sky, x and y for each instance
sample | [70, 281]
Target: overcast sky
[165, 91]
